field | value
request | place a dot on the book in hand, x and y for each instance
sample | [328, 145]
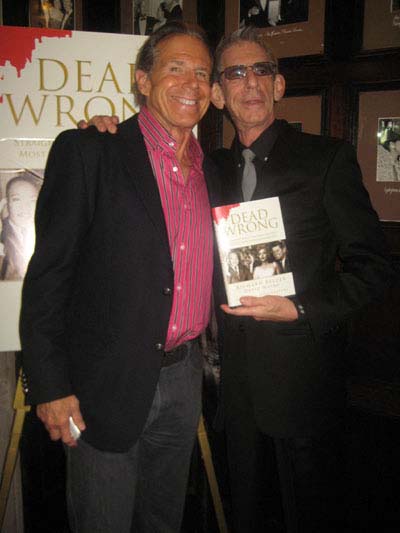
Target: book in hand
[254, 257]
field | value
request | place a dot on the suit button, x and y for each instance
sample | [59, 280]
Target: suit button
[166, 291]
[241, 328]
[159, 346]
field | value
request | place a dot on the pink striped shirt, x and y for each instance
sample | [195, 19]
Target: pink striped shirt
[188, 221]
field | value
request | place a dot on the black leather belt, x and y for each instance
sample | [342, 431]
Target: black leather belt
[178, 353]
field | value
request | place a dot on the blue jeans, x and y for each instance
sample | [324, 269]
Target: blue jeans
[142, 490]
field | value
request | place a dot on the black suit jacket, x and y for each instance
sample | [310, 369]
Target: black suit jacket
[297, 370]
[291, 11]
[96, 304]
[150, 22]
[244, 274]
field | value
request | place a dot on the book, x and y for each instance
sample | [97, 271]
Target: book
[252, 247]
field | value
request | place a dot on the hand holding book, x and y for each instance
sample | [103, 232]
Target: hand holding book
[271, 308]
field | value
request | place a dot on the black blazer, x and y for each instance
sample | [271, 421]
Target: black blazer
[96, 304]
[297, 370]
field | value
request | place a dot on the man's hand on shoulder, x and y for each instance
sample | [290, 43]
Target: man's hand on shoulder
[55, 416]
[103, 123]
[271, 308]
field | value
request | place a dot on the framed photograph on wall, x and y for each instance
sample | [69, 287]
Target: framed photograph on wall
[142, 17]
[305, 112]
[381, 25]
[56, 14]
[377, 136]
[292, 27]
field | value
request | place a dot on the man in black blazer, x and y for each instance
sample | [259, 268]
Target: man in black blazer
[237, 272]
[263, 13]
[117, 292]
[279, 253]
[283, 367]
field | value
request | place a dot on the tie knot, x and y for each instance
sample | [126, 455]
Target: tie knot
[248, 155]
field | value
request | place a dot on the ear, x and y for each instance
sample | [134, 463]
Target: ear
[279, 87]
[143, 82]
[217, 96]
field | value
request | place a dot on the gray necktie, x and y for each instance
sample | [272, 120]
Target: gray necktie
[249, 180]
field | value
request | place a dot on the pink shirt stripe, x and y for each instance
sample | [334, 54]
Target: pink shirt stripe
[187, 216]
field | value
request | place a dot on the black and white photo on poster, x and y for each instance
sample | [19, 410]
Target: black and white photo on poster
[57, 14]
[19, 190]
[149, 15]
[264, 13]
[388, 149]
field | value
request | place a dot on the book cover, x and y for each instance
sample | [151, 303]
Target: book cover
[252, 247]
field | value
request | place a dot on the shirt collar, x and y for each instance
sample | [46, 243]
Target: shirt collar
[158, 137]
[154, 133]
[262, 146]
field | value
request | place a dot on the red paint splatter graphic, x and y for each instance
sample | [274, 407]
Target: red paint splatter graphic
[17, 44]
[222, 212]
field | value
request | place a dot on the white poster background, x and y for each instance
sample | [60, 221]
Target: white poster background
[49, 80]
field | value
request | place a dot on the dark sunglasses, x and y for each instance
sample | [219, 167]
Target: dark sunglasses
[239, 72]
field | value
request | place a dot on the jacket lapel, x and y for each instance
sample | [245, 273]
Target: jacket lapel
[276, 169]
[137, 163]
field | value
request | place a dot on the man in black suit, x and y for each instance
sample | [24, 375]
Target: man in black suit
[279, 253]
[118, 291]
[283, 367]
[263, 13]
[143, 23]
[236, 270]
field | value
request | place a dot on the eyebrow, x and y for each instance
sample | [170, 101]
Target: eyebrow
[182, 63]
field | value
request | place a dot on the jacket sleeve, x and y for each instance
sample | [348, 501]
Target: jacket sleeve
[62, 218]
[365, 272]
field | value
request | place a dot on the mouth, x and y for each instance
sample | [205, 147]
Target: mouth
[186, 101]
[253, 101]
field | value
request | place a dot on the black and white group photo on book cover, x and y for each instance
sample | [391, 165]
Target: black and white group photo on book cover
[255, 262]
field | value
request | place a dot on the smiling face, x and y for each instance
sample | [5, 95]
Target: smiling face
[277, 252]
[177, 89]
[262, 255]
[250, 101]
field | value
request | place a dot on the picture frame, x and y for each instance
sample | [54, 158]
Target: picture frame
[130, 23]
[63, 15]
[302, 38]
[380, 25]
[376, 108]
[304, 109]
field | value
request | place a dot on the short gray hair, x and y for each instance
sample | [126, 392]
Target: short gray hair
[247, 34]
[147, 54]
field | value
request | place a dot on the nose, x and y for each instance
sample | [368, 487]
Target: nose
[251, 78]
[191, 78]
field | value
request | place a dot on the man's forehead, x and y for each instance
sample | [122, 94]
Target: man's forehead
[183, 48]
